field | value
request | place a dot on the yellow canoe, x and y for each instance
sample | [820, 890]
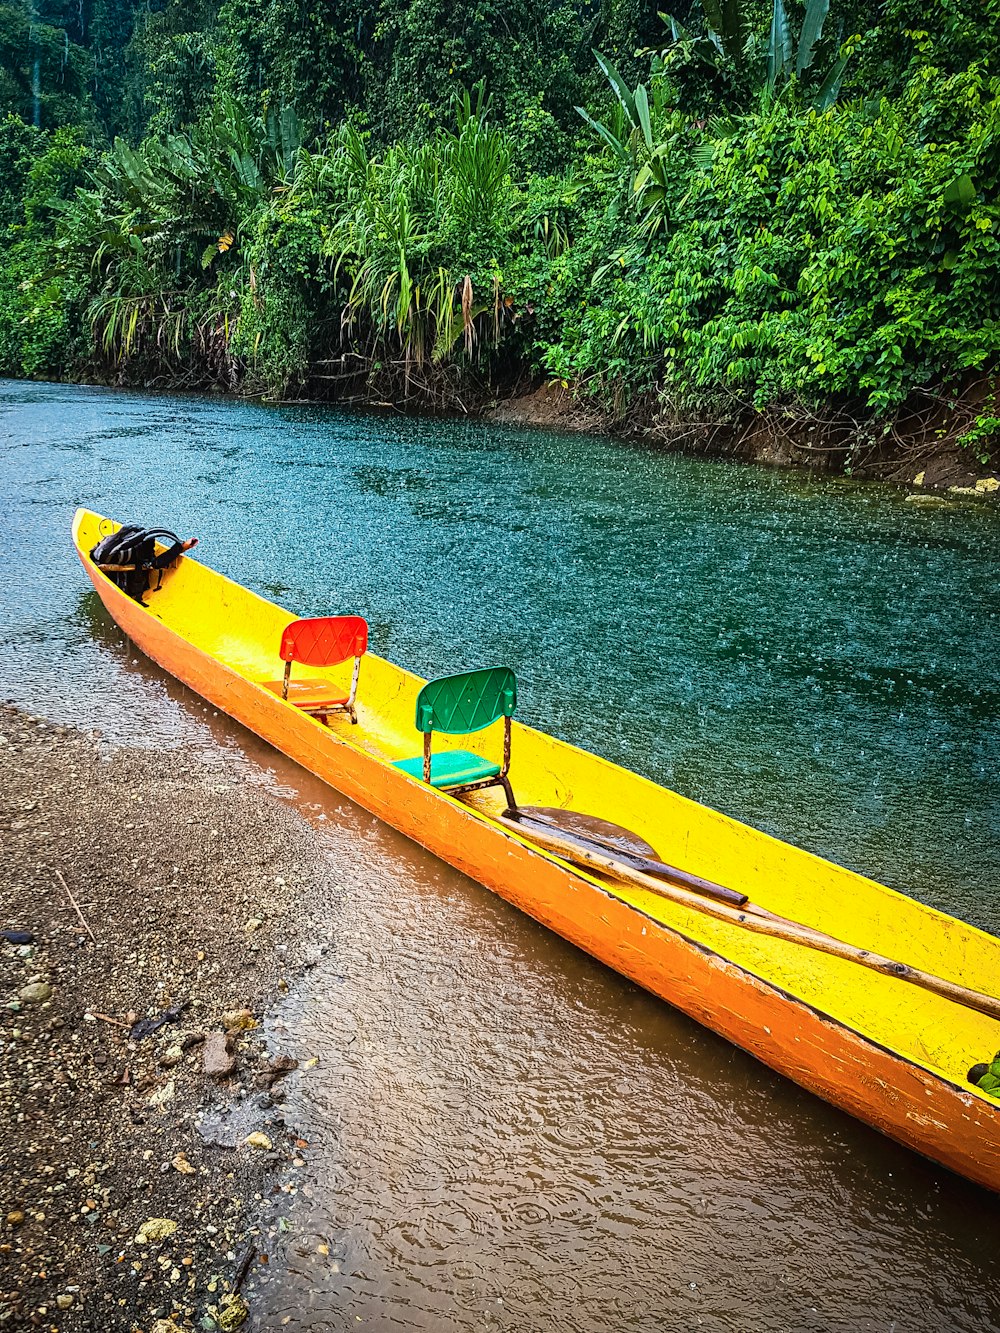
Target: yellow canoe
[893, 1055]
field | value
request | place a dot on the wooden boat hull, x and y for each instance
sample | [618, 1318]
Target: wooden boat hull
[927, 1109]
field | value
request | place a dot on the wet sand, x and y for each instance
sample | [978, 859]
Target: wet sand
[148, 884]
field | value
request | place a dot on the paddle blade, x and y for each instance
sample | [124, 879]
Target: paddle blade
[591, 829]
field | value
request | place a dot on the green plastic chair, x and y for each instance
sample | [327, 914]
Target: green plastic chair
[458, 705]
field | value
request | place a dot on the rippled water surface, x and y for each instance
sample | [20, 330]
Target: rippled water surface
[503, 1133]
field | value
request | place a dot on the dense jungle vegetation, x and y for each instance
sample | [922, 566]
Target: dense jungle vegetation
[787, 208]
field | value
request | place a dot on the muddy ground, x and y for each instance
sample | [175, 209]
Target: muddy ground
[143, 1164]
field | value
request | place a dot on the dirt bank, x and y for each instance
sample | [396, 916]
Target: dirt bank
[553, 407]
[136, 886]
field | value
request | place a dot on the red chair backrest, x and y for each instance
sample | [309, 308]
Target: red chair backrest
[324, 640]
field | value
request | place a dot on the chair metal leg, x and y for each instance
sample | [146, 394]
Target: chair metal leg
[509, 790]
[501, 781]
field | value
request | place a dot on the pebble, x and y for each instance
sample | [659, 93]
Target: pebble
[238, 1020]
[217, 1061]
[64, 1300]
[276, 1069]
[17, 936]
[154, 1229]
[15, 1217]
[35, 993]
[163, 1096]
[233, 1312]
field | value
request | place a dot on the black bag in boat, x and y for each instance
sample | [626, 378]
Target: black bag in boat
[129, 555]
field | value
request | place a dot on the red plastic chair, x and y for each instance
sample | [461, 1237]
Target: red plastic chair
[321, 641]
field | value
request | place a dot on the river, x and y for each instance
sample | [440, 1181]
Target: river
[507, 1135]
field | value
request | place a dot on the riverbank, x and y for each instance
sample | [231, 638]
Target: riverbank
[921, 448]
[152, 909]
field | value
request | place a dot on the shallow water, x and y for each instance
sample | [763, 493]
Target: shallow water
[504, 1133]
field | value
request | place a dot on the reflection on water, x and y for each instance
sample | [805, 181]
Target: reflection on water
[503, 1133]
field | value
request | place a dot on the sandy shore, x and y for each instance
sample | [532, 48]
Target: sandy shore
[137, 885]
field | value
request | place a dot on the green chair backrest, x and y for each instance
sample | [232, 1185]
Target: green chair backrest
[467, 702]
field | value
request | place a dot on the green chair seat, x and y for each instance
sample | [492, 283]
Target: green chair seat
[451, 768]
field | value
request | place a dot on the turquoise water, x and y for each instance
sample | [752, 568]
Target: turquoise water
[504, 1134]
[817, 658]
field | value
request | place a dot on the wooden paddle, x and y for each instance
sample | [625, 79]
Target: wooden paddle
[589, 832]
[572, 848]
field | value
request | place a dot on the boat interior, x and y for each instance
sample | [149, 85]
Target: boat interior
[249, 635]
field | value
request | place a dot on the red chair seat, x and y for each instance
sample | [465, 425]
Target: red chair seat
[309, 695]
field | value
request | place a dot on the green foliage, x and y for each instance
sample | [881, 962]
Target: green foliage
[519, 49]
[44, 68]
[945, 35]
[746, 66]
[411, 243]
[310, 55]
[982, 437]
[845, 255]
[37, 328]
[649, 142]
[714, 227]
[18, 145]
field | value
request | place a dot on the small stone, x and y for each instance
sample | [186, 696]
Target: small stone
[253, 924]
[36, 993]
[155, 1229]
[171, 1056]
[216, 1059]
[180, 1163]
[258, 1140]
[17, 936]
[276, 1069]
[64, 1300]
[233, 1312]
[162, 1097]
[15, 1218]
[238, 1020]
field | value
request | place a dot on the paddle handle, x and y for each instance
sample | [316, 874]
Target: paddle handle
[751, 917]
